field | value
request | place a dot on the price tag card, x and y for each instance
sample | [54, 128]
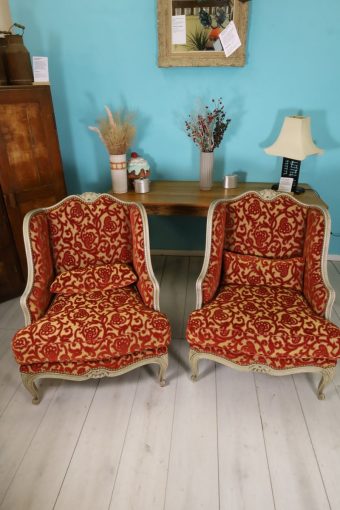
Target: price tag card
[40, 69]
[286, 184]
[178, 30]
[230, 39]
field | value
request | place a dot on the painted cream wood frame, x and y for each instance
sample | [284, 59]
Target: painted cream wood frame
[168, 58]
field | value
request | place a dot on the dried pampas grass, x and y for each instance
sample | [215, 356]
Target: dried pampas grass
[116, 131]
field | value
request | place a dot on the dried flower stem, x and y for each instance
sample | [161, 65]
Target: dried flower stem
[116, 131]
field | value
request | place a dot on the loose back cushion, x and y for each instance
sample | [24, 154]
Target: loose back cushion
[103, 277]
[250, 270]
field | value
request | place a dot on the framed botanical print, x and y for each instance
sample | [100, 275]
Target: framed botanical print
[196, 32]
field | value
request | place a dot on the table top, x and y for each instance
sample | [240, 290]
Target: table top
[185, 198]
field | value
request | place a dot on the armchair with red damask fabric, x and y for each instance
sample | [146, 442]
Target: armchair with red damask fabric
[91, 303]
[263, 295]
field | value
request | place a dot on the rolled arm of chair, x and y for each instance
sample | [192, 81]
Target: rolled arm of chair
[147, 284]
[316, 287]
[37, 295]
[209, 279]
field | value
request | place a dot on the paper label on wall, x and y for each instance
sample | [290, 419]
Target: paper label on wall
[230, 39]
[179, 30]
[286, 184]
[40, 69]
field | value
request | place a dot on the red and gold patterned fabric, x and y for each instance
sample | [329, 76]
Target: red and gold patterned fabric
[314, 288]
[270, 325]
[94, 327]
[145, 285]
[86, 234]
[212, 277]
[271, 229]
[72, 368]
[39, 296]
[103, 277]
[251, 270]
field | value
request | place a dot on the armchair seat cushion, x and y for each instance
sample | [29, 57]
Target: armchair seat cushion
[93, 327]
[274, 326]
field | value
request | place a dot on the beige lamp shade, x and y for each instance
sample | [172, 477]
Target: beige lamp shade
[295, 140]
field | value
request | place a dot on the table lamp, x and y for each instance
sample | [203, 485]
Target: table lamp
[294, 144]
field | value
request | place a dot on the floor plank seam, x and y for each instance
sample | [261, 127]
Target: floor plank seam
[171, 436]
[217, 444]
[76, 445]
[11, 398]
[29, 445]
[264, 440]
[124, 441]
[311, 441]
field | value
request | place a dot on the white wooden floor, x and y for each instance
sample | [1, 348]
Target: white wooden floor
[230, 441]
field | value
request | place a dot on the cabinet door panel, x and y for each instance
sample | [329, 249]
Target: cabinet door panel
[31, 173]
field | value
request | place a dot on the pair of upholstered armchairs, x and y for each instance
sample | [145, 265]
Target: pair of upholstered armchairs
[91, 302]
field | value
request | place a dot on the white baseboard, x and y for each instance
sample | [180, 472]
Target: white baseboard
[333, 257]
[181, 253]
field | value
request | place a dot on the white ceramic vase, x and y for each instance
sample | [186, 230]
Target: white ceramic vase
[206, 170]
[119, 173]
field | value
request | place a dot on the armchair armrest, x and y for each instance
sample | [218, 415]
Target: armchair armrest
[316, 287]
[147, 284]
[37, 295]
[209, 279]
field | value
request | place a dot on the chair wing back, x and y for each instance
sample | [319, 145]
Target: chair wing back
[89, 233]
[269, 239]
[37, 296]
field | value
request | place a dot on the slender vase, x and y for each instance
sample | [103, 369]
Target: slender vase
[119, 173]
[206, 170]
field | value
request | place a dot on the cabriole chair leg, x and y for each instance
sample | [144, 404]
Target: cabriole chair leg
[28, 381]
[327, 377]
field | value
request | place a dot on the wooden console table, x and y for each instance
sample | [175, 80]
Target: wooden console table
[168, 198]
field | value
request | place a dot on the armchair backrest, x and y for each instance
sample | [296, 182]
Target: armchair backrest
[89, 233]
[268, 238]
[82, 231]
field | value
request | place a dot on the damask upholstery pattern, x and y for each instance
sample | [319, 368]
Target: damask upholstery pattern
[271, 229]
[263, 324]
[212, 276]
[147, 284]
[251, 270]
[39, 296]
[87, 234]
[103, 277]
[95, 326]
[85, 246]
[270, 308]
[314, 288]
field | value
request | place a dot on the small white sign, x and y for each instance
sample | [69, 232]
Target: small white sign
[230, 39]
[179, 30]
[40, 69]
[286, 184]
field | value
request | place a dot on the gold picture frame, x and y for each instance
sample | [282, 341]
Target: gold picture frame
[194, 53]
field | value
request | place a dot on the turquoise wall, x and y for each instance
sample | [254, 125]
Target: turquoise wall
[105, 52]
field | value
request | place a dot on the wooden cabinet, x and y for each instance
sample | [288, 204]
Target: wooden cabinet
[31, 173]
[11, 278]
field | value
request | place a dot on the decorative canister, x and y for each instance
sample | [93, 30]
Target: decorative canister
[230, 181]
[118, 173]
[3, 74]
[17, 59]
[142, 185]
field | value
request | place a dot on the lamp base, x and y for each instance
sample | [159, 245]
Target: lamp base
[296, 191]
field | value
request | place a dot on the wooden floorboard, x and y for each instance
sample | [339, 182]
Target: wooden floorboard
[230, 441]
